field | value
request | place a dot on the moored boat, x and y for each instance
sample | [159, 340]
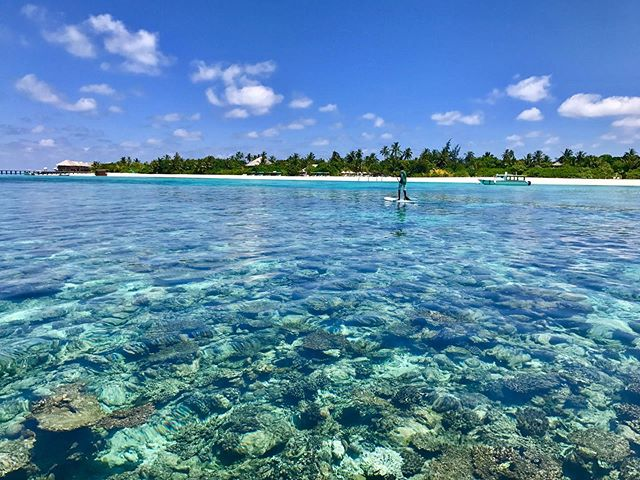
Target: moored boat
[506, 179]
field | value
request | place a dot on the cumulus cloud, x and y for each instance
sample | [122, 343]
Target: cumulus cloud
[530, 115]
[140, 49]
[627, 122]
[301, 124]
[258, 99]
[33, 12]
[329, 107]
[532, 89]
[237, 113]
[187, 135]
[377, 121]
[37, 129]
[73, 40]
[98, 88]
[153, 141]
[552, 140]
[253, 134]
[454, 116]
[39, 91]
[301, 102]
[515, 140]
[590, 105]
[170, 117]
[241, 89]
[115, 109]
[47, 142]
[270, 132]
[320, 142]
[386, 136]
[367, 136]
[195, 117]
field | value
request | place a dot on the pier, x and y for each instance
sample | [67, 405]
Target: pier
[32, 172]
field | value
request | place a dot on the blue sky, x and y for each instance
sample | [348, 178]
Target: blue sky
[96, 80]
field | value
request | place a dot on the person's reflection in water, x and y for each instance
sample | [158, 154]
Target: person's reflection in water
[402, 215]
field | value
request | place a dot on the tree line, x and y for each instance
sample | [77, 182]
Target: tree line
[447, 161]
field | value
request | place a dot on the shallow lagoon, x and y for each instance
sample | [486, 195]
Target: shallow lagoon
[282, 330]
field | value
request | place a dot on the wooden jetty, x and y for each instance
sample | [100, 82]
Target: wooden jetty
[32, 172]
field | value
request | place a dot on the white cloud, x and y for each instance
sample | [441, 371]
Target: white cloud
[377, 121]
[454, 116]
[241, 89]
[515, 140]
[213, 98]
[270, 132]
[608, 136]
[301, 102]
[530, 115]
[492, 97]
[98, 88]
[301, 124]
[386, 136]
[337, 125]
[367, 136]
[259, 99]
[41, 92]
[154, 141]
[140, 49]
[195, 117]
[253, 134]
[329, 107]
[33, 12]
[206, 72]
[37, 129]
[73, 40]
[130, 144]
[534, 134]
[47, 142]
[115, 109]
[170, 117]
[532, 89]
[237, 113]
[320, 142]
[552, 140]
[187, 135]
[589, 105]
[627, 122]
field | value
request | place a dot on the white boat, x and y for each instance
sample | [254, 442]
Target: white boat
[506, 179]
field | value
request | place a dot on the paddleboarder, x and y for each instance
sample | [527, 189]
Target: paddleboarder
[402, 185]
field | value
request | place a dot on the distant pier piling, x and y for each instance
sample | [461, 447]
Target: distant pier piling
[31, 172]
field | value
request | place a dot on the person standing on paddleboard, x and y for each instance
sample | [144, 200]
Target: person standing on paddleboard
[402, 185]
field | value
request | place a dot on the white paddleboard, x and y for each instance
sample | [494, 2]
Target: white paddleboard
[394, 199]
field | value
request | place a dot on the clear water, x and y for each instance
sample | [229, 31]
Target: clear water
[310, 330]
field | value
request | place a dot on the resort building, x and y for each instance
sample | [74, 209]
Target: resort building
[72, 166]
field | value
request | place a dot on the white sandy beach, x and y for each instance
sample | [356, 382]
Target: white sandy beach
[534, 181]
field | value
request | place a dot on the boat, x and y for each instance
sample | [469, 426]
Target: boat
[506, 179]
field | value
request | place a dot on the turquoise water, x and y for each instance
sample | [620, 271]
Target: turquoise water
[272, 329]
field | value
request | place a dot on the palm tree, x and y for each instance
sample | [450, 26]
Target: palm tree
[407, 154]
[385, 152]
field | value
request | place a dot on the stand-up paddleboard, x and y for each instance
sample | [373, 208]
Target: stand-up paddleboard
[394, 199]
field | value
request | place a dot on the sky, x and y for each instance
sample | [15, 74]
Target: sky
[94, 81]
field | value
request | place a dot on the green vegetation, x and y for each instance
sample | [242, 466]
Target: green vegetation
[447, 161]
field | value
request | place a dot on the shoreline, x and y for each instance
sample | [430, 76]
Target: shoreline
[593, 182]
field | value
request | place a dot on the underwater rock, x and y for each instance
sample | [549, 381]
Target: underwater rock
[410, 396]
[303, 387]
[319, 342]
[502, 463]
[632, 390]
[600, 447]
[412, 463]
[127, 418]
[67, 410]
[15, 454]
[532, 421]
[113, 394]
[630, 469]
[463, 420]
[529, 385]
[429, 445]
[445, 402]
[629, 414]
[454, 464]
[382, 464]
